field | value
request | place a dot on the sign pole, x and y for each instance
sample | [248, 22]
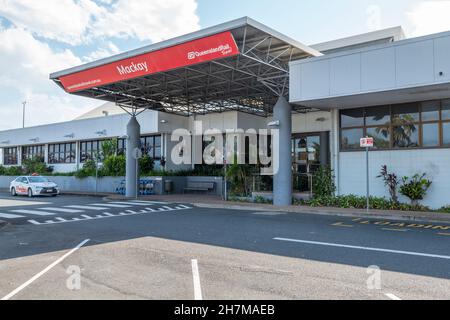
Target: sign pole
[367, 143]
[367, 180]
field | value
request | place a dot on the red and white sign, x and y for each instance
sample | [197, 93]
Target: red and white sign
[367, 143]
[218, 46]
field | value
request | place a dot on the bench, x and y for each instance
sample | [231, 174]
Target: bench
[200, 186]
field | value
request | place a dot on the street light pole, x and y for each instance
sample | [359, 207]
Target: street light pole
[23, 113]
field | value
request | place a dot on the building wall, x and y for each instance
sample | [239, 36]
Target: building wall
[403, 64]
[352, 172]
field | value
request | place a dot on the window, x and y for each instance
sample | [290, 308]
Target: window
[32, 152]
[61, 153]
[410, 125]
[89, 149]
[151, 146]
[121, 146]
[10, 156]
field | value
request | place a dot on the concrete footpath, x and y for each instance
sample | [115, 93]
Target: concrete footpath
[206, 201]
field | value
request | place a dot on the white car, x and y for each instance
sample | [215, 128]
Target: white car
[33, 186]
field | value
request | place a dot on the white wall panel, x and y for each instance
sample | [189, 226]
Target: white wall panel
[442, 57]
[345, 74]
[378, 69]
[315, 79]
[415, 63]
[352, 172]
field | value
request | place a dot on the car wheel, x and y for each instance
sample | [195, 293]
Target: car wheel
[30, 193]
[13, 192]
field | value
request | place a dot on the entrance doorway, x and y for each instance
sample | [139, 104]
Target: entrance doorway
[309, 153]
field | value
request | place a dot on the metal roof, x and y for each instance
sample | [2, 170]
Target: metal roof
[249, 82]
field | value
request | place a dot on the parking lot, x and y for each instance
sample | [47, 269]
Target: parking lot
[74, 247]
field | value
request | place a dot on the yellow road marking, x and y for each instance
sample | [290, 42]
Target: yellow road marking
[341, 224]
[396, 230]
[444, 234]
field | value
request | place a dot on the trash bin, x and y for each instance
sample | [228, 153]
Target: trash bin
[168, 186]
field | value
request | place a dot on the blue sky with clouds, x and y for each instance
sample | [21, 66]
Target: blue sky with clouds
[39, 37]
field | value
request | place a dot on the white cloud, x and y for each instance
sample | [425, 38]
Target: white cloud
[80, 21]
[27, 57]
[373, 17]
[154, 20]
[26, 64]
[429, 17]
[107, 51]
[62, 20]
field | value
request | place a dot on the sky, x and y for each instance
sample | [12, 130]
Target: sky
[40, 37]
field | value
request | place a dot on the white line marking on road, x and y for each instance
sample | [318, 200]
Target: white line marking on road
[132, 203]
[86, 216]
[168, 208]
[150, 209]
[111, 205]
[410, 253]
[185, 207]
[40, 274]
[62, 210]
[34, 212]
[196, 278]
[105, 215]
[87, 208]
[10, 216]
[61, 219]
[392, 296]
[150, 202]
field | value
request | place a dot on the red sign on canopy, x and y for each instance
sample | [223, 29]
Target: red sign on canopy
[218, 46]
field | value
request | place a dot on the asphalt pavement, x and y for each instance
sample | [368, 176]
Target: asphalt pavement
[157, 250]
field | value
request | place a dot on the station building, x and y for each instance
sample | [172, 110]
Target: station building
[377, 84]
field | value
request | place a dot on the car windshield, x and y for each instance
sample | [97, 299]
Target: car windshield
[37, 179]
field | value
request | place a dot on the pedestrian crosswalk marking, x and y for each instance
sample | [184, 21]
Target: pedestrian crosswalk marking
[87, 208]
[62, 210]
[111, 205]
[10, 216]
[34, 212]
[131, 203]
[86, 216]
[150, 202]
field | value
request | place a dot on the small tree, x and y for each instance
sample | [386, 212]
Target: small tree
[109, 148]
[391, 181]
[415, 188]
[323, 182]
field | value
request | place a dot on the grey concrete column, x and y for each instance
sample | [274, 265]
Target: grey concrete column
[133, 142]
[282, 181]
[325, 148]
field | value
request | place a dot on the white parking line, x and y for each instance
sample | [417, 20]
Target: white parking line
[10, 216]
[87, 208]
[34, 212]
[196, 279]
[40, 274]
[62, 210]
[410, 253]
[111, 205]
[392, 296]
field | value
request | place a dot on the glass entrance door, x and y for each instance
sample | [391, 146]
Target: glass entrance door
[306, 155]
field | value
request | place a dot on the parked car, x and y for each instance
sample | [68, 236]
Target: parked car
[33, 186]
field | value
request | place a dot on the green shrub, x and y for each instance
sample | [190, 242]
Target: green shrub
[323, 182]
[146, 164]
[357, 202]
[415, 188]
[88, 170]
[109, 148]
[14, 171]
[391, 181]
[445, 209]
[35, 165]
[114, 166]
[260, 199]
